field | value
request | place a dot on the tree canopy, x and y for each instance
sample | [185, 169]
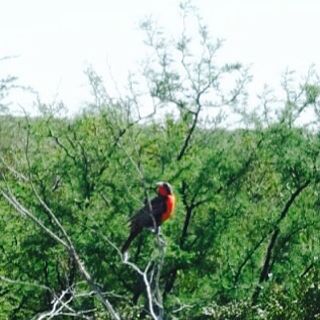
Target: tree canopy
[244, 240]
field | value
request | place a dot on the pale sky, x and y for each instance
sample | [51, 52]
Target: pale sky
[54, 40]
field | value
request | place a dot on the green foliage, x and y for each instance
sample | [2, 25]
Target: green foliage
[233, 184]
[244, 241]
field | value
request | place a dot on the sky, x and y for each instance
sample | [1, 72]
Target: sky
[53, 42]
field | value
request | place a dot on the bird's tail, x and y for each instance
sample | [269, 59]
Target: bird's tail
[126, 245]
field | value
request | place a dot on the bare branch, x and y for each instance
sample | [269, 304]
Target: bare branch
[25, 283]
[142, 273]
[25, 212]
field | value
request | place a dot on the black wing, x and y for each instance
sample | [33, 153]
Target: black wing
[143, 218]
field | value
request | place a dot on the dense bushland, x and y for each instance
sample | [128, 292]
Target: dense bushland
[244, 241]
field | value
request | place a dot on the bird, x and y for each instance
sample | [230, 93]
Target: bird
[153, 213]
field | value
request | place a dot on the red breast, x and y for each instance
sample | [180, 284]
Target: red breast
[170, 204]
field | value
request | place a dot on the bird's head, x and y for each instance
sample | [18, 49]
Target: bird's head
[164, 188]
